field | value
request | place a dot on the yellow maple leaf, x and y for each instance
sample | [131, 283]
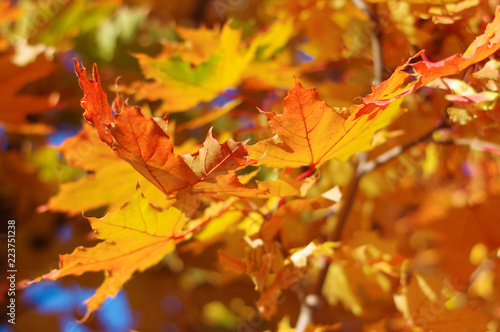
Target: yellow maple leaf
[135, 238]
[207, 63]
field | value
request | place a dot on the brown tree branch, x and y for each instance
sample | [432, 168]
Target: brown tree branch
[397, 151]
[312, 301]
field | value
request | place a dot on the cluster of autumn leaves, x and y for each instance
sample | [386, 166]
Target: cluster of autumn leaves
[307, 133]
[418, 250]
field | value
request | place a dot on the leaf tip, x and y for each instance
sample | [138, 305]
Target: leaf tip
[297, 82]
[79, 68]
[95, 73]
[86, 315]
[76, 63]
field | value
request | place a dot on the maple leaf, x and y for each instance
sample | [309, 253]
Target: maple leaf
[95, 103]
[206, 64]
[309, 132]
[143, 142]
[213, 159]
[227, 184]
[135, 238]
[231, 263]
[210, 115]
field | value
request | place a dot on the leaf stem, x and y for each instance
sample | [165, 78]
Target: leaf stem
[397, 151]
[298, 178]
[198, 225]
[305, 174]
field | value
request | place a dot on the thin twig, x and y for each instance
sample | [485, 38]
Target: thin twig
[397, 151]
[311, 302]
[378, 64]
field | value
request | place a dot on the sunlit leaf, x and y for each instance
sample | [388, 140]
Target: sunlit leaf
[135, 238]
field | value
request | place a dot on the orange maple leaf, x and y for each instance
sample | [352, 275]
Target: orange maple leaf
[143, 142]
[309, 132]
[97, 110]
